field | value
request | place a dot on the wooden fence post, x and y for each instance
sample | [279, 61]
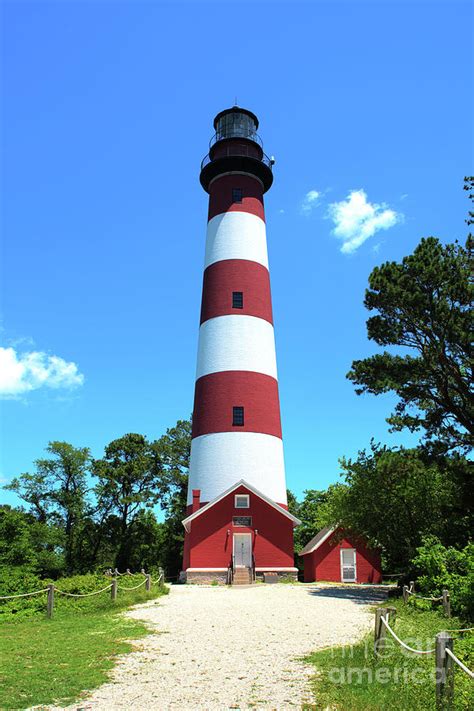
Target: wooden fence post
[380, 629]
[444, 672]
[446, 603]
[113, 589]
[127, 572]
[405, 593]
[412, 586]
[148, 583]
[142, 571]
[50, 605]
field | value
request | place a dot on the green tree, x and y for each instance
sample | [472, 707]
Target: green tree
[394, 498]
[29, 544]
[308, 513]
[171, 454]
[56, 492]
[127, 482]
[424, 305]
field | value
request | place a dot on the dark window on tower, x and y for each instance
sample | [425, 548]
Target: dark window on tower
[237, 299]
[237, 195]
[238, 416]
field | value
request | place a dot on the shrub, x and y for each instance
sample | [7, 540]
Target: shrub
[437, 568]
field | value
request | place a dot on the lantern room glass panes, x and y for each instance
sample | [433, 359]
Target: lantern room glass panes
[236, 124]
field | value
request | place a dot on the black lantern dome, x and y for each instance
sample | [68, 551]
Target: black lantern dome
[236, 147]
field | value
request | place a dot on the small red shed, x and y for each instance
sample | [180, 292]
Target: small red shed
[335, 555]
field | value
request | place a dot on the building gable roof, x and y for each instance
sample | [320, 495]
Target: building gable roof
[187, 521]
[318, 540]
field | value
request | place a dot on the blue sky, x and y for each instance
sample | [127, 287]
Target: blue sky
[107, 112]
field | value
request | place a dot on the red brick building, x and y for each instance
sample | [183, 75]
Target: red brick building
[337, 556]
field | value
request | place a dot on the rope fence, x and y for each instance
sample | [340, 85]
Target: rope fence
[113, 587]
[443, 598]
[95, 592]
[135, 587]
[443, 651]
[460, 664]
[28, 594]
[405, 646]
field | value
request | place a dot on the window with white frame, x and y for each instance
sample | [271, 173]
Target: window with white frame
[242, 501]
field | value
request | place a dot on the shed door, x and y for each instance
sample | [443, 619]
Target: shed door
[348, 565]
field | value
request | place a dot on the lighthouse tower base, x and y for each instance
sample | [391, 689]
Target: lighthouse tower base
[240, 536]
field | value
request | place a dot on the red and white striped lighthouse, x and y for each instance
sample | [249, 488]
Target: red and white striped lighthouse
[237, 522]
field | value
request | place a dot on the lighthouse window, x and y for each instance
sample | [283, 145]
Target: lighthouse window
[238, 416]
[242, 501]
[237, 195]
[237, 299]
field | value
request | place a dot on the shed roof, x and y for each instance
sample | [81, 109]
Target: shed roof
[317, 540]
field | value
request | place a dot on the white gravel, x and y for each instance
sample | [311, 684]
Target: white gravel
[232, 648]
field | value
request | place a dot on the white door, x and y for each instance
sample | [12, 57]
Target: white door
[243, 549]
[348, 565]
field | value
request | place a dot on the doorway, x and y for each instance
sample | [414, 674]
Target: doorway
[243, 550]
[348, 565]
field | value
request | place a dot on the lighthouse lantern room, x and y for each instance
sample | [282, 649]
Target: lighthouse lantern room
[237, 525]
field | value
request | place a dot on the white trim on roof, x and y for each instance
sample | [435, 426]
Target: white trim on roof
[187, 521]
[319, 543]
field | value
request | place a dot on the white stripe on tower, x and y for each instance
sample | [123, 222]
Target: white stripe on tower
[236, 235]
[236, 343]
[219, 460]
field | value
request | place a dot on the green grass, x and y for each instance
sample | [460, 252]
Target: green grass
[353, 679]
[44, 661]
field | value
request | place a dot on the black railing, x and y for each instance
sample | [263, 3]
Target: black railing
[254, 572]
[242, 150]
[230, 571]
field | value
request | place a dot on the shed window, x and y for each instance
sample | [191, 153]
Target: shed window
[238, 416]
[237, 299]
[237, 195]
[242, 501]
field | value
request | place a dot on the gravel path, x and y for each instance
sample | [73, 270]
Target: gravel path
[219, 648]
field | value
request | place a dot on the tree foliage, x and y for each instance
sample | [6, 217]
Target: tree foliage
[424, 305]
[308, 512]
[56, 491]
[83, 514]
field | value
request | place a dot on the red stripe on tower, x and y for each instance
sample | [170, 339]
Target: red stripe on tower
[216, 394]
[236, 286]
[239, 194]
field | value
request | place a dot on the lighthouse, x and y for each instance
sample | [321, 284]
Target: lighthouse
[237, 524]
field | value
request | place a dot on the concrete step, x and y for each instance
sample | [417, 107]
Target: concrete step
[242, 576]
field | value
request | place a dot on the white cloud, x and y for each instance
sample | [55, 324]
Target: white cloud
[355, 219]
[309, 201]
[21, 373]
